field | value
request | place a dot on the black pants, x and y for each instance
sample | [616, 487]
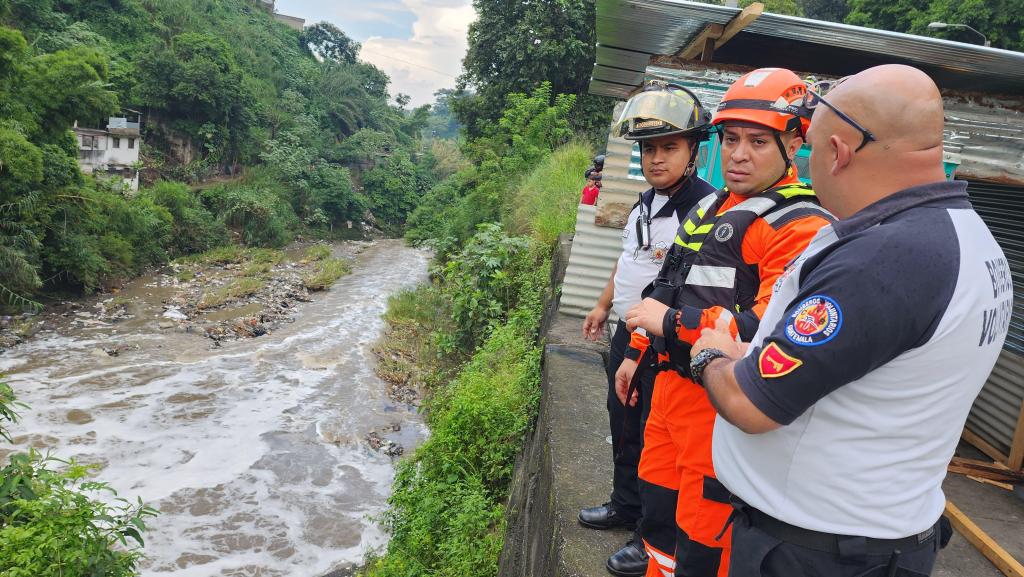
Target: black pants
[627, 428]
[755, 553]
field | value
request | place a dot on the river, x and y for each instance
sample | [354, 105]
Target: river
[253, 451]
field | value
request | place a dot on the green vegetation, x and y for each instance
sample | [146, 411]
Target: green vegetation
[234, 254]
[297, 134]
[236, 289]
[516, 47]
[1000, 21]
[470, 336]
[318, 252]
[55, 522]
[327, 272]
[546, 199]
[528, 130]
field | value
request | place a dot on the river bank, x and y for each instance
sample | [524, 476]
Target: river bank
[224, 294]
[259, 451]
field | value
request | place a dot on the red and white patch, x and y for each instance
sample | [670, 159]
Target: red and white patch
[773, 362]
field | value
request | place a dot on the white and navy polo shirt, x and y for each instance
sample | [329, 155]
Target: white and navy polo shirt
[872, 350]
[637, 266]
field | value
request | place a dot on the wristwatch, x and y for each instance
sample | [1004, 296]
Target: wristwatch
[701, 360]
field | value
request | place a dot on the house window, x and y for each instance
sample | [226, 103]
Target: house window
[117, 142]
[131, 143]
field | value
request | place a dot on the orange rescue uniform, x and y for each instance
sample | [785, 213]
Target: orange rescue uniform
[677, 437]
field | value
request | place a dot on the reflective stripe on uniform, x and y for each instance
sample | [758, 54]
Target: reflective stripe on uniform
[694, 246]
[792, 191]
[712, 276]
[705, 203]
[778, 214]
[691, 229]
[756, 205]
[662, 559]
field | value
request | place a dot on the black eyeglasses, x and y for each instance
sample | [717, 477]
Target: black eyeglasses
[814, 96]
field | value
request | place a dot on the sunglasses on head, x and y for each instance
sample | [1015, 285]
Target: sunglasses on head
[814, 96]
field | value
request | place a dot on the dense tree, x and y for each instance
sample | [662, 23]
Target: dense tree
[394, 187]
[830, 10]
[1001, 21]
[516, 46]
[220, 85]
[442, 122]
[329, 43]
[196, 82]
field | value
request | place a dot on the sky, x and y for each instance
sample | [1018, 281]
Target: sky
[418, 43]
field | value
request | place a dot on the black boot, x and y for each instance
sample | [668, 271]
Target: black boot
[630, 561]
[604, 517]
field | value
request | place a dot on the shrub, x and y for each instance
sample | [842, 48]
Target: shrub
[447, 506]
[195, 228]
[486, 280]
[318, 252]
[256, 209]
[95, 234]
[529, 130]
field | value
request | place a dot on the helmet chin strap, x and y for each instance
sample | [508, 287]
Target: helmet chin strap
[785, 157]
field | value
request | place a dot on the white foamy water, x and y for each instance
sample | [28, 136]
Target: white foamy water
[252, 451]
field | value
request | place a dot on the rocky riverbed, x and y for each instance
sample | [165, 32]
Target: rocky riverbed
[240, 294]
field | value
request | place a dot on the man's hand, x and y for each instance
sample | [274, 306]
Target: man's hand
[623, 377]
[720, 338]
[593, 325]
[649, 315]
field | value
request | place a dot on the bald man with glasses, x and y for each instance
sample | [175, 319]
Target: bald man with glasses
[837, 421]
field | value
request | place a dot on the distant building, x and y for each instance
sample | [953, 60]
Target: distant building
[113, 152]
[292, 22]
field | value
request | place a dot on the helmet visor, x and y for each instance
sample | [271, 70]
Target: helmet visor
[659, 112]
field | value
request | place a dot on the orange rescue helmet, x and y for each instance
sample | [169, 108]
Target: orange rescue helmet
[767, 96]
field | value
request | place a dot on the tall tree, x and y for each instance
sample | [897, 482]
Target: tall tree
[328, 42]
[1001, 21]
[830, 10]
[516, 46]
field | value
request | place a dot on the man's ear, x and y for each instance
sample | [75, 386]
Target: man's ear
[841, 152]
[794, 145]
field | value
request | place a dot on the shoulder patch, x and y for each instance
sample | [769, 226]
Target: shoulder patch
[815, 321]
[773, 362]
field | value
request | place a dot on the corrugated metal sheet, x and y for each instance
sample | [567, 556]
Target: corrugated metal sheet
[663, 27]
[989, 136]
[995, 412]
[594, 251]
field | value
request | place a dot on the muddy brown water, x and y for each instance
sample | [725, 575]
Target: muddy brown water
[253, 451]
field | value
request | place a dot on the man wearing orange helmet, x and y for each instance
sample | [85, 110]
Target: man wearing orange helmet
[727, 255]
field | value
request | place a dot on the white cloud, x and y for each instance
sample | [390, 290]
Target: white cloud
[432, 57]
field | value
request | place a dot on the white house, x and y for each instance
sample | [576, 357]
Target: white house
[113, 152]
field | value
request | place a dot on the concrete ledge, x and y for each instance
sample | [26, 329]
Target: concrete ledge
[566, 465]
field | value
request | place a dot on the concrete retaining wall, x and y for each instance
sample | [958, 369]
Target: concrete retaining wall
[566, 462]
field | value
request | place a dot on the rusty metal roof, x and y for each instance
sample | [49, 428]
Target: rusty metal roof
[629, 32]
